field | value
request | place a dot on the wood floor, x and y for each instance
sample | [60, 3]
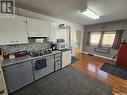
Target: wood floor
[91, 64]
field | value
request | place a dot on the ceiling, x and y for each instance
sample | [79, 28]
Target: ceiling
[109, 10]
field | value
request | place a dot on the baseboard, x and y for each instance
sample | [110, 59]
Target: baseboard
[103, 57]
[99, 56]
[85, 52]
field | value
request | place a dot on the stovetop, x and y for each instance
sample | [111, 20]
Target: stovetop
[39, 53]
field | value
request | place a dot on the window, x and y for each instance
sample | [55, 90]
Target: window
[95, 38]
[105, 39]
[108, 39]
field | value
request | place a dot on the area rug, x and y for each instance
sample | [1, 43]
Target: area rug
[74, 59]
[68, 81]
[114, 70]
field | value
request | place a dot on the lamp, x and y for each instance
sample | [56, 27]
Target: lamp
[90, 13]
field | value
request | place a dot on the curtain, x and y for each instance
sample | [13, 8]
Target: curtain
[88, 38]
[118, 39]
[101, 39]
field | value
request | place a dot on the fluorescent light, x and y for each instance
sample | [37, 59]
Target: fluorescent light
[90, 14]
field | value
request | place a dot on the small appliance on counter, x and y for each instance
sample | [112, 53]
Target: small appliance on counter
[53, 46]
[60, 41]
[61, 45]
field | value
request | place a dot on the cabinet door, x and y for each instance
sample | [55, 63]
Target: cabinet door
[66, 58]
[6, 32]
[17, 76]
[1, 83]
[38, 28]
[13, 30]
[12, 78]
[20, 30]
[26, 73]
[53, 32]
[50, 64]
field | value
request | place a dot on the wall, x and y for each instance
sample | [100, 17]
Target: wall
[74, 27]
[117, 25]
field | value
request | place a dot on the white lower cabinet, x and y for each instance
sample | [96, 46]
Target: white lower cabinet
[13, 30]
[66, 58]
[1, 84]
[18, 75]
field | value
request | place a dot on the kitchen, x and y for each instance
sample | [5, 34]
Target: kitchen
[31, 54]
[63, 47]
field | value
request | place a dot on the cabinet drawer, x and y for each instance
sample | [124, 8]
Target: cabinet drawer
[58, 59]
[50, 57]
[57, 63]
[57, 55]
[57, 67]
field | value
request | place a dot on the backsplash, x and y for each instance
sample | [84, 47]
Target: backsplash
[32, 45]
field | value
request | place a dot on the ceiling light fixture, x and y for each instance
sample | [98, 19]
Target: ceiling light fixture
[90, 13]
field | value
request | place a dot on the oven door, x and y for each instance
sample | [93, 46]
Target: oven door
[40, 68]
[40, 64]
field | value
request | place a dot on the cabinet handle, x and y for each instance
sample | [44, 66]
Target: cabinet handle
[25, 21]
[1, 92]
[12, 41]
[28, 34]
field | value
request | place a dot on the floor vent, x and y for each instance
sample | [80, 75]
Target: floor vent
[90, 54]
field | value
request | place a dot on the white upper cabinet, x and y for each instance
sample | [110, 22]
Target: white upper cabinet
[13, 30]
[37, 28]
[53, 32]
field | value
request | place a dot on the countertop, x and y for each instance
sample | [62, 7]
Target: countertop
[8, 62]
[64, 50]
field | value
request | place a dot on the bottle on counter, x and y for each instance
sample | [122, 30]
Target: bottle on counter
[11, 56]
[5, 55]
